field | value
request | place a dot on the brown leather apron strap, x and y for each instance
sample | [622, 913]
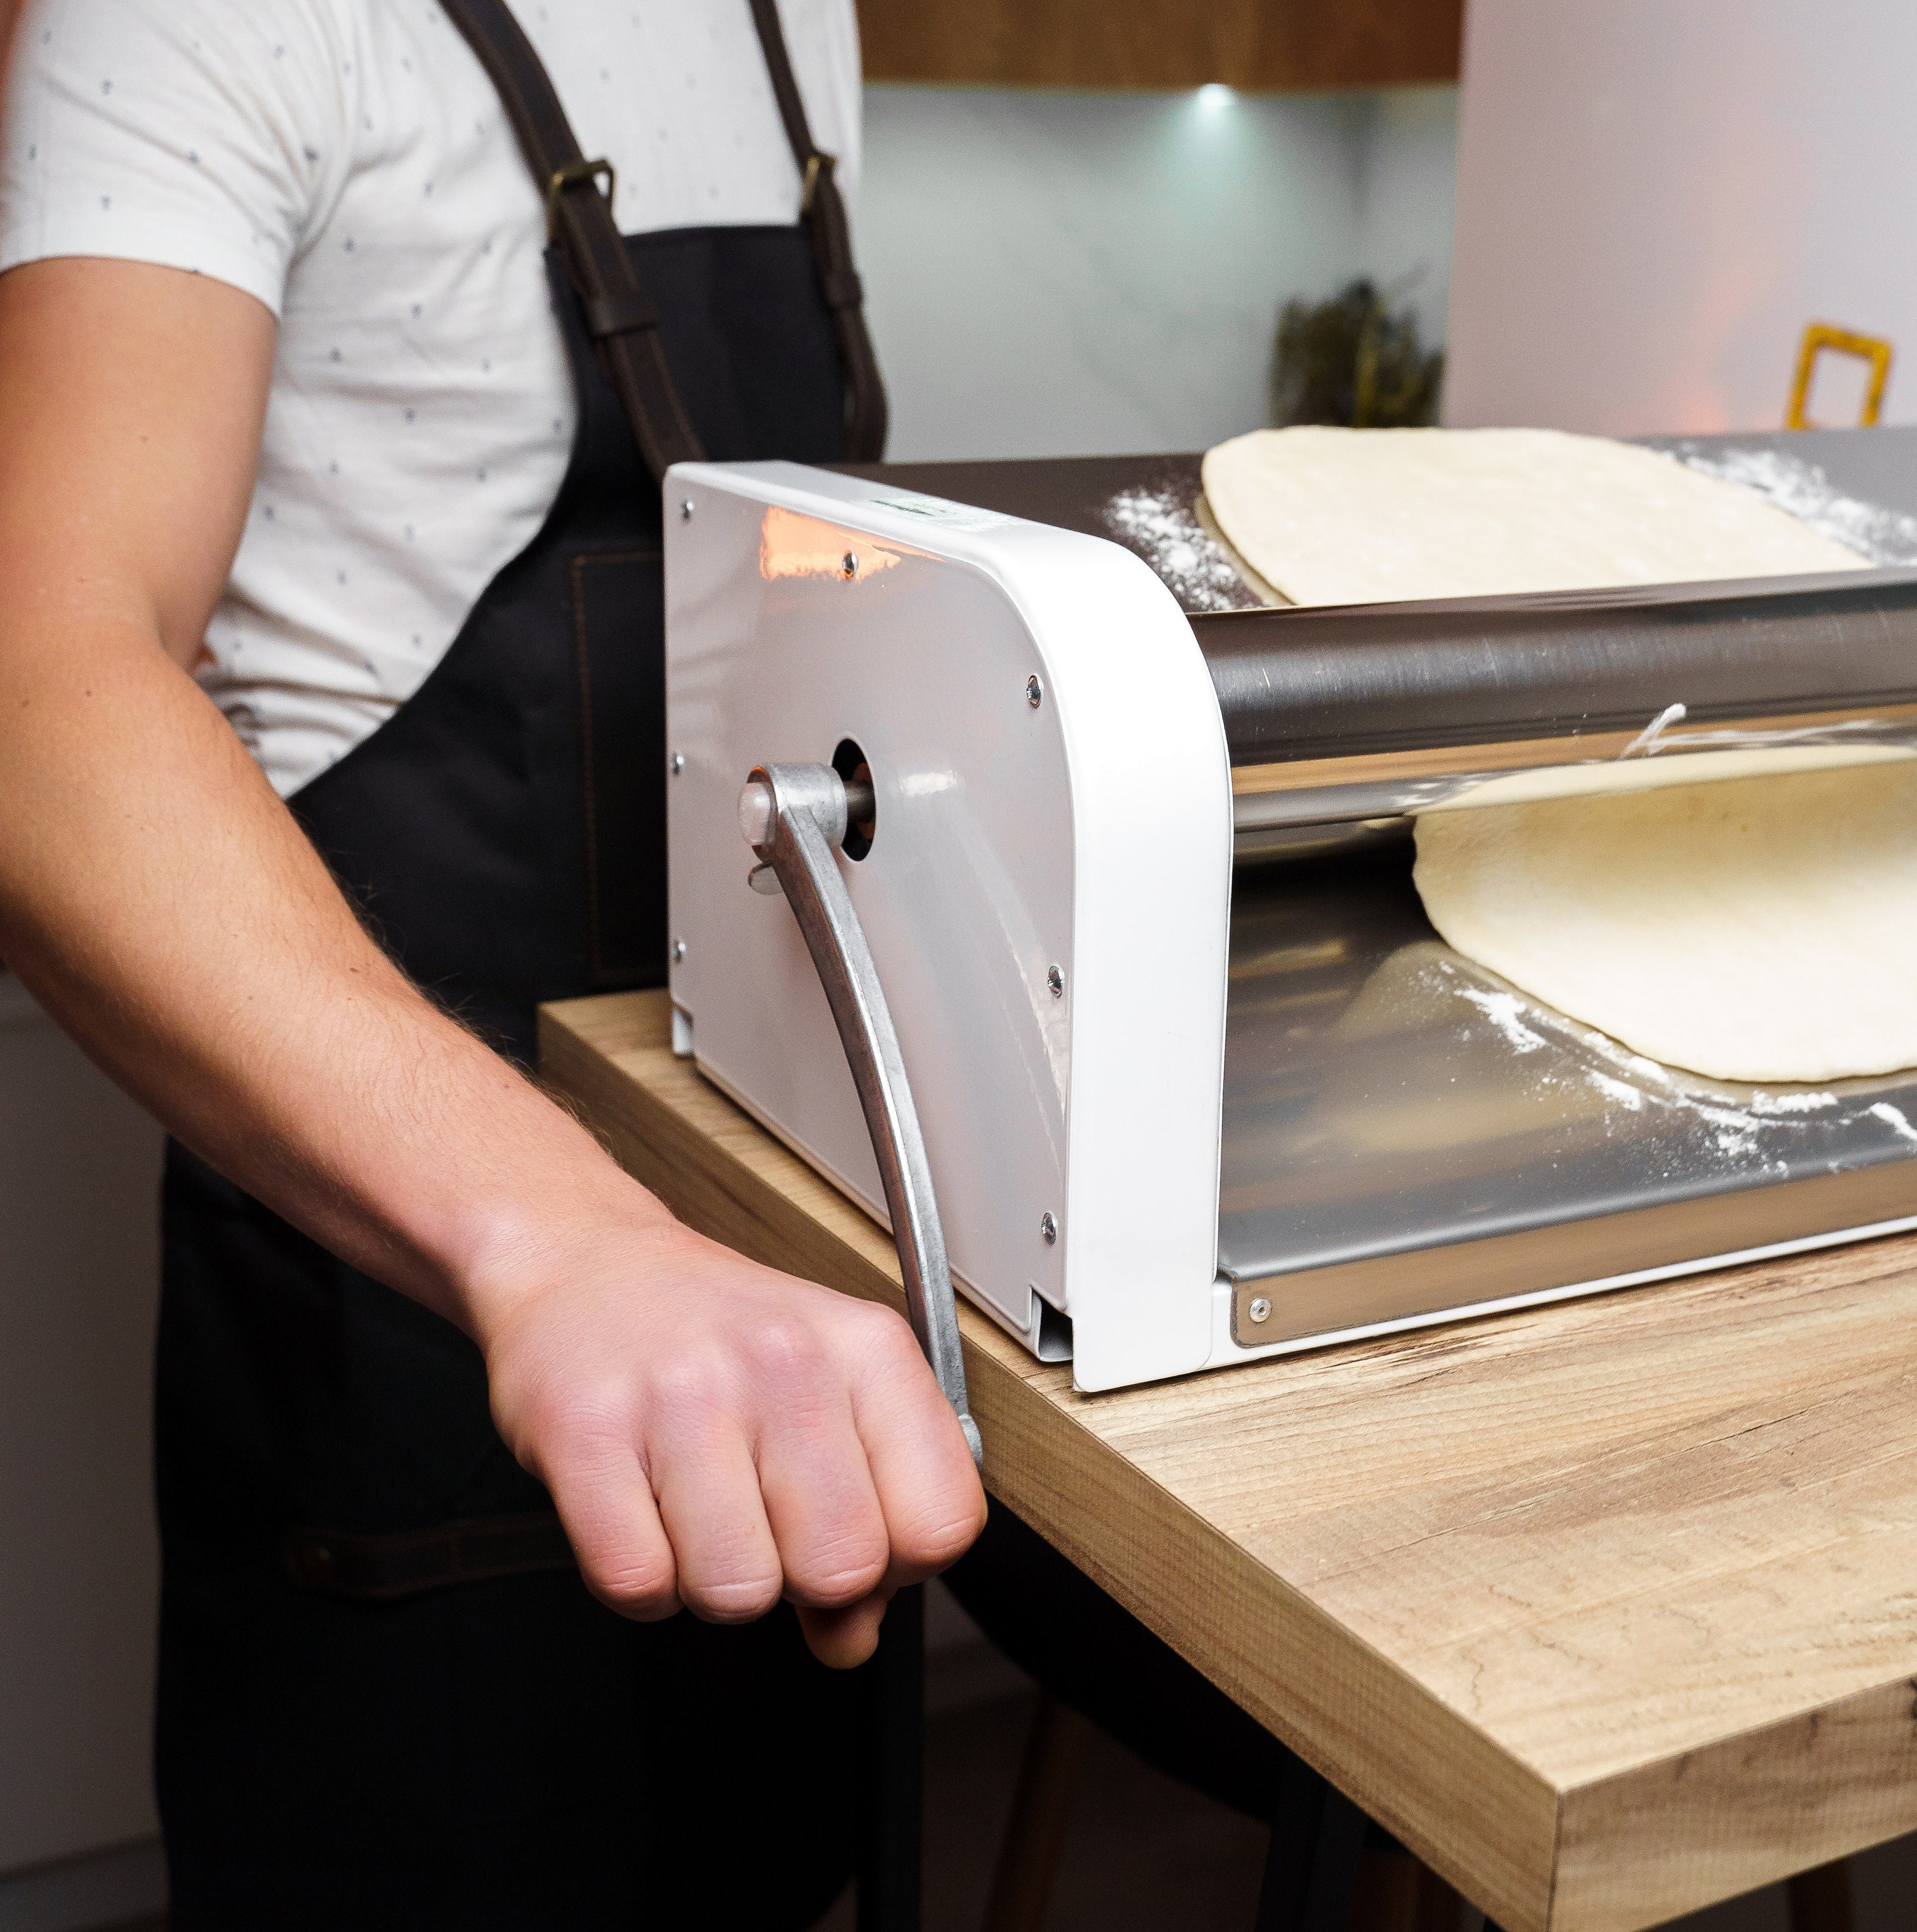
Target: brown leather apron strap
[620, 315]
[338, 1563]
[822, 209]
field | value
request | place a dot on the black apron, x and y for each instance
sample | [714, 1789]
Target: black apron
[506, 1752]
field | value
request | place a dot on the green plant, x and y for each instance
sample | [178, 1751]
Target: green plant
[1353, 361]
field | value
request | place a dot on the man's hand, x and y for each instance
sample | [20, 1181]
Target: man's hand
[709, 1429]
[719, 1436]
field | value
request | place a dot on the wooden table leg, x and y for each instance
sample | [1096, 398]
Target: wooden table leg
[1398, 1892]
[1820, 1899]
[1386, 1899]
[1028, 1860]
[1439, 1908]
[1317, 1839]
[892, 1823]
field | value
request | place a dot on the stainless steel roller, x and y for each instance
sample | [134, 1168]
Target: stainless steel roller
[1362, 711]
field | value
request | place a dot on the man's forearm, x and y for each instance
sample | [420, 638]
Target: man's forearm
[154, 892]
[159, 900]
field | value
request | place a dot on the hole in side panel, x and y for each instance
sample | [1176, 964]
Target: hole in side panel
[1054, 1331]
[848, 761]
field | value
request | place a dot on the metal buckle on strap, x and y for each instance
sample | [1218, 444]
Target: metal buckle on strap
[815, 165]
[565, 178]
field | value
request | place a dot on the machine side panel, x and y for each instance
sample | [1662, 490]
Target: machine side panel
[1007, 832]
[775, 653]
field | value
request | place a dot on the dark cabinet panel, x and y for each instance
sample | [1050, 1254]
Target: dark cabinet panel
[1257, 45]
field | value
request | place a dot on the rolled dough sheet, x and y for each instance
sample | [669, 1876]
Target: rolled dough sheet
[1752, 929]
[1340, 516]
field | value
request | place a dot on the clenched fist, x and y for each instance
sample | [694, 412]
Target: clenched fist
[719, 1436]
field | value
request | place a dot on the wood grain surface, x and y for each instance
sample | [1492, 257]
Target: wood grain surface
[1257, 45]
[1608, 1610]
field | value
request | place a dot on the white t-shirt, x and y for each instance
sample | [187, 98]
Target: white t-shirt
[348, 163]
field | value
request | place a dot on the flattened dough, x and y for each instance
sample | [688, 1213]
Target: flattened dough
[1340, 516]
[1752, 929]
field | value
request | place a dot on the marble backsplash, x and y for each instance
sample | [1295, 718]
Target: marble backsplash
[1069, 273]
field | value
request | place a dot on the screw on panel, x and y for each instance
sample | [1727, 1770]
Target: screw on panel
[685, 509]
[1049, 1228]
[1260, 1309]
[678, 763]
[1055, 978]
[849, 563]
[678, 949]
[1034, 691]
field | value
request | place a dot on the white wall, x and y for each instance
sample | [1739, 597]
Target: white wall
[1406, 142]
[1656, 196]
[1066, 273]
[79, 1181]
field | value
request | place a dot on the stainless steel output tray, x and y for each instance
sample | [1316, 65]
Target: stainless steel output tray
[1404, 1132]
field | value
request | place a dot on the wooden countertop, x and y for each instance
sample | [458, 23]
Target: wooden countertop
[1608, 1610]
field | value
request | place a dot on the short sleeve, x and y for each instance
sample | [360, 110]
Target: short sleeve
[197, 134]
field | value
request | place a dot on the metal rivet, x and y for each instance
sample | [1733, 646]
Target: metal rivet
[1055, 978]
[678, 763]
[685, 509]
[678, 949]
[1049, 1228]
[1260, 1309]
[849, 563]
[1034, 691]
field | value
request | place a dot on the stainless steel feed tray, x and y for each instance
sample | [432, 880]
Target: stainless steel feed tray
[1404, 1131]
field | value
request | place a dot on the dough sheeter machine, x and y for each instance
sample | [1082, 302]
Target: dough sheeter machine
[1105, 935]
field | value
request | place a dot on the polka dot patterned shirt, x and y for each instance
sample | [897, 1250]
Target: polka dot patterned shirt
[347, 163]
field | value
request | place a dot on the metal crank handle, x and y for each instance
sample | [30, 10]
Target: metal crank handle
[792, 816]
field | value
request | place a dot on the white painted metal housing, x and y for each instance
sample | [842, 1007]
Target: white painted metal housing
[1089, 831]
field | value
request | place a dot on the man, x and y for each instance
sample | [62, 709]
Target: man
[313, 490]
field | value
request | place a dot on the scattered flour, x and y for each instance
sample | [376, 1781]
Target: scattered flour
[1884, 536]
[1622, 1091]
[1791, 1103]
[1502, 1009]
[1743, 1126]
[1737, 1131]
[1193, 564]
[1893, 1118]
